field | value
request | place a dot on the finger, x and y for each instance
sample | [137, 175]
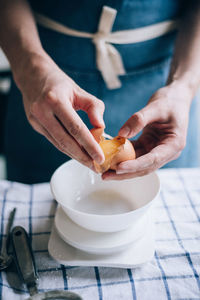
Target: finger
[150, 161]
[110, 175]
[92, 106]
[42, 130]
[149, 114]
[76, 128]
[55, 133]
[113, 176]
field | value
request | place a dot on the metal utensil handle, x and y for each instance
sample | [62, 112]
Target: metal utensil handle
[24, 258]
[8, 228]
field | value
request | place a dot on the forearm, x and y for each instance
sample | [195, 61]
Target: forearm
[18, 34]
[185, 67]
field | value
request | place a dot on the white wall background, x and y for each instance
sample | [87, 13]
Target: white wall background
[4, 65]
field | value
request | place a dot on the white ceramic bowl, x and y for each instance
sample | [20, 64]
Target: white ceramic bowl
[103, 206]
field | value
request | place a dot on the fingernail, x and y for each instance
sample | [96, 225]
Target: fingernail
[118, 172]
[100, 120]
[125, 131]
[98, 159]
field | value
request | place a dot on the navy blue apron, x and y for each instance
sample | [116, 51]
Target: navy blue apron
[30, 157]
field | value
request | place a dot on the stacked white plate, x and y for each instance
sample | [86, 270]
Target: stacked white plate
[102, 223]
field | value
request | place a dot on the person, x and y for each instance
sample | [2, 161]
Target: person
[72, 59]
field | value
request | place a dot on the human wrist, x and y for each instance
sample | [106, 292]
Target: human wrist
[188, 82]
[29, 63]
[182, 88]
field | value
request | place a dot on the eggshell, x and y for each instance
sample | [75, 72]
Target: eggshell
[126, 152]
[116, 150]
[110, 149]
[97, 133]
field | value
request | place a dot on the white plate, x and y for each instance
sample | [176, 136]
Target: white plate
[98, 242]
[133, 256]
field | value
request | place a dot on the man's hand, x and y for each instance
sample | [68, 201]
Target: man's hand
[163, 123]
[50, 97]
[164, 120]
[51, 100]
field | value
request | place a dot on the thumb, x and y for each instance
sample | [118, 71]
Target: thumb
[92, 106]
[139, 120]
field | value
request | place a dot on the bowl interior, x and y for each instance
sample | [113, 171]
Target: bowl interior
[77, 188]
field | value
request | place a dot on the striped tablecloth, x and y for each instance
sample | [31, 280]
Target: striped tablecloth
[174, 272]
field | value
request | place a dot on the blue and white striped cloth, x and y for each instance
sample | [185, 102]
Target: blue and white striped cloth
[174, 273]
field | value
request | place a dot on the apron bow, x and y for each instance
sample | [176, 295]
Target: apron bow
[109, 61]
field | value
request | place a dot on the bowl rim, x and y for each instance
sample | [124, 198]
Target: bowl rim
[71, 161]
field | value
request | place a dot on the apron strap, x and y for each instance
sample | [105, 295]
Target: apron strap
[108, 59]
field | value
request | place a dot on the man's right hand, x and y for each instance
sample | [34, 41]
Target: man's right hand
[51, 100]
